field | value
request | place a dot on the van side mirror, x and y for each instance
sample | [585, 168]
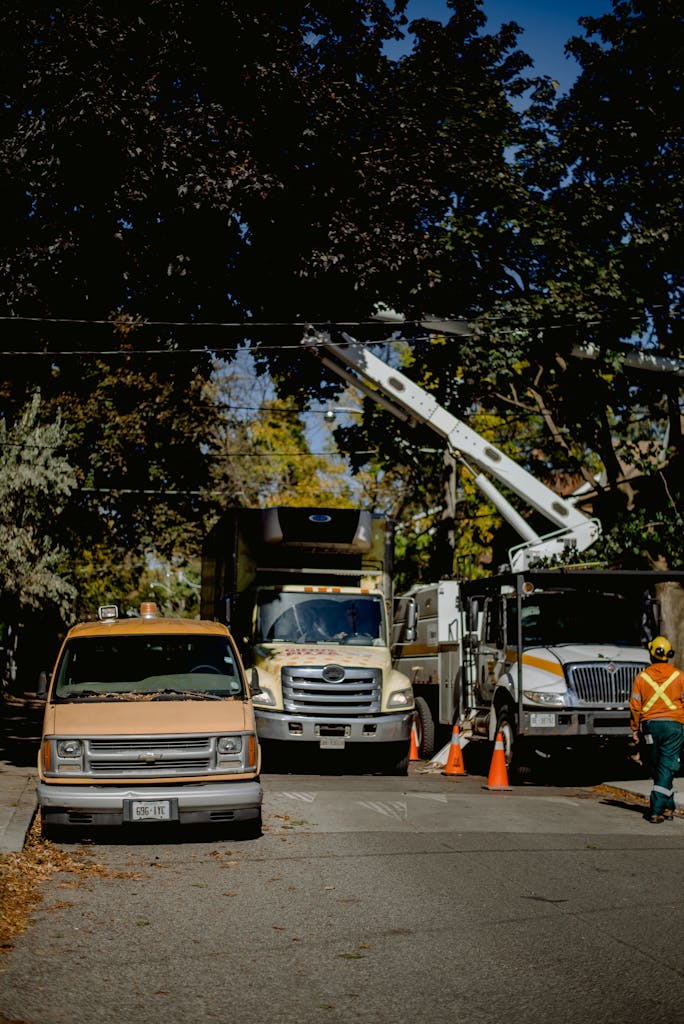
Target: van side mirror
[41, 687]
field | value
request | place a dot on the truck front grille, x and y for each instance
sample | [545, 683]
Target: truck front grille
[355, 691]
[603, 682]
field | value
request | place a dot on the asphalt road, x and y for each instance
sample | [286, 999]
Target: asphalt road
[370, 899]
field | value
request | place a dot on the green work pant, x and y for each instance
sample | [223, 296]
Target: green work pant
[664, 738]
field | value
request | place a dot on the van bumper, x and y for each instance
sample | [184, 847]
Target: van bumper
[114, 805]
[394, 728]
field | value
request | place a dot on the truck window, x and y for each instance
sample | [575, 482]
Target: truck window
[147, 668]
[294, 617]
[565, 618]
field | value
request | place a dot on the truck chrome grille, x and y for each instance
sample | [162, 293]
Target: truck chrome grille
[306, 691]
[603, 682]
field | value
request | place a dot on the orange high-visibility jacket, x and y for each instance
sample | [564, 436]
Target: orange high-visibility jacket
[658, 692]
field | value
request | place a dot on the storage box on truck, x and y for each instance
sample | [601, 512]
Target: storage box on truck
[307, 591]
[149, 719]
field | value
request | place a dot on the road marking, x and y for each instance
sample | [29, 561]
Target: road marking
[396, 809]
[307, 798]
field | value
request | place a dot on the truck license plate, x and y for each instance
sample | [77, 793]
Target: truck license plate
[150, 810]
[332, 743]
[542, 720]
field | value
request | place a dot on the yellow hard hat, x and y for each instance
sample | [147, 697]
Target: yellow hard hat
[660, 648]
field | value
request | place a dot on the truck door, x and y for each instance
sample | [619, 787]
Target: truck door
[491, 655]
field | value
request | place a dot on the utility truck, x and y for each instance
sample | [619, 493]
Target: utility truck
[307, 592]
[547, 658]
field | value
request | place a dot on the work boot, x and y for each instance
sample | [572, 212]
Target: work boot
[655, 819]
[668, 814]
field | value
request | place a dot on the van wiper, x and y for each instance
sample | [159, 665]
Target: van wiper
[170, 694]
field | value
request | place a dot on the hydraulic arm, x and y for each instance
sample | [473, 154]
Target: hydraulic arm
[359, 367]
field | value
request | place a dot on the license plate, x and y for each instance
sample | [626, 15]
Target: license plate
[150, 810]
[332, 743]
[542, 720]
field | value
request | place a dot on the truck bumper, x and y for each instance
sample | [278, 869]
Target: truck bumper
[571, 722]
[304, 729]
[112, 805]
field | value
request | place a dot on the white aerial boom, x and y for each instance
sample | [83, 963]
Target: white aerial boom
[356, 365]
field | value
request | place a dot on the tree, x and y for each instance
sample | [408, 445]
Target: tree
[148, 191]
[36, 588]
[36, 480]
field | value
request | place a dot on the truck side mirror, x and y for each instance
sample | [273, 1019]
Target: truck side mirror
[411, 620]
[254, 687]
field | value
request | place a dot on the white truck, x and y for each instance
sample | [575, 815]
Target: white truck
[545, 657]
[307, 592]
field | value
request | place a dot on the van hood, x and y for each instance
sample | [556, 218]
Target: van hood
[147, 718]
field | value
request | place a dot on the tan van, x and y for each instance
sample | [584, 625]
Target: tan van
[148, 719]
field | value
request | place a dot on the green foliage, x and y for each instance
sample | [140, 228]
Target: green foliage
[36, 480]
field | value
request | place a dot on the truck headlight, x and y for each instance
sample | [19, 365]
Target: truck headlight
[69, 748]
[264, 698]
[556, 700]
[400, 699]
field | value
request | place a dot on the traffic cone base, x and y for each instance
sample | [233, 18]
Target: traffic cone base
[497, 780]
[454, 764]
[413, 749]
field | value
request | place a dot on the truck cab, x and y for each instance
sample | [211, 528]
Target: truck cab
[308, 591]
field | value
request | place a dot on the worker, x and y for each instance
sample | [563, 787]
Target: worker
[657, 711]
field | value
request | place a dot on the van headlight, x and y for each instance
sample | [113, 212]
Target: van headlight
[229, 744]
[69, 748]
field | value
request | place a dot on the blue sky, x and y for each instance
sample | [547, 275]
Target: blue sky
[547, 24]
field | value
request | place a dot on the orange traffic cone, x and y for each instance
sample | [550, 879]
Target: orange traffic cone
[413, 749]
[454, 764]
[498, 776]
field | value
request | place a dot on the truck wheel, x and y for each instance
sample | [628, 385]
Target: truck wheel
[426, 729]
[397, 759]
[517, 770]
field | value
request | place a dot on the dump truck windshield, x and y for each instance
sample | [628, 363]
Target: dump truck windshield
[286, 616]
[164, 667]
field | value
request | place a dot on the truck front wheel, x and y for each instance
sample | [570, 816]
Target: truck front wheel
[518, 770]
[426, 729]
[396, 759]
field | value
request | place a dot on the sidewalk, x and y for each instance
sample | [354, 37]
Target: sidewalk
[20, 726]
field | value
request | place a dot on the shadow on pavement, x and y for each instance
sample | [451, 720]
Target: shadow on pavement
[21, 719]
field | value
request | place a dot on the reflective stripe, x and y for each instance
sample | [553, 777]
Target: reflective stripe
[635, 696]
[659, 692]
[665, 792]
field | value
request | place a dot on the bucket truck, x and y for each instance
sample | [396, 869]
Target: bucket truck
[547, 658]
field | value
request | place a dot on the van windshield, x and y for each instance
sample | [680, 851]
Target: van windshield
[161, 667]
[355, 619]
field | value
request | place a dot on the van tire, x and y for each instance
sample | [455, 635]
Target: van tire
[426, 729]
